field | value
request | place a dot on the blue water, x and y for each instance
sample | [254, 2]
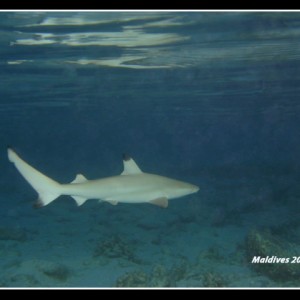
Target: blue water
[207, 98]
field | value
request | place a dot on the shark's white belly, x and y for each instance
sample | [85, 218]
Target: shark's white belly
[125, 188]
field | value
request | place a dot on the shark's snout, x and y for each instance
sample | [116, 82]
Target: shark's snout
[195, 189]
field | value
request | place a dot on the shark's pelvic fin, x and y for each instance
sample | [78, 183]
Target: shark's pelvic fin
[79, 179]
[130, 167]
[79, 200]
[47, 188]
[161, 202]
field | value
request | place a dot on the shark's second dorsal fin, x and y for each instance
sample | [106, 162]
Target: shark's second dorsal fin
[79, 179]
[130, 167]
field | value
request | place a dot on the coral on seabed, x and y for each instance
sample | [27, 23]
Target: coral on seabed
[54, 270]
[7, 233]
[133, 279]
[265, 245]
[213, 253]
[158, 277]
[36, 272]
[115, 247]
[211, 279]
[20, 280]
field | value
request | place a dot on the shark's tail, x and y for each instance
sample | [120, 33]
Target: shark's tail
[47, 188]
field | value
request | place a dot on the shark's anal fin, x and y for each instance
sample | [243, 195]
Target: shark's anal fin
[130, 167]
[161, 202]
[79, 200]
[79, 179]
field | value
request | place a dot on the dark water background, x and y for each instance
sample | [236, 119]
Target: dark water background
[209, 98]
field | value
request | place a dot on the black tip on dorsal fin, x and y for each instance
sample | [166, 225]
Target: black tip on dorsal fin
[126, 157]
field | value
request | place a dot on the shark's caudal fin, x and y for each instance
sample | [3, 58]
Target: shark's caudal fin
[47, 188]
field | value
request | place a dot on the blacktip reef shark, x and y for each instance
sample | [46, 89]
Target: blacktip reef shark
[132, 186]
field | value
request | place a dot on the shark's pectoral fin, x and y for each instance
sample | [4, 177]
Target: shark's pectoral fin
[161, 202]
[79, 200]
[110, 201]
[79, 179]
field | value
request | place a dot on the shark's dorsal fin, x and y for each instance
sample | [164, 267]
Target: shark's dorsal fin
[130, 167]
[79, 179]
